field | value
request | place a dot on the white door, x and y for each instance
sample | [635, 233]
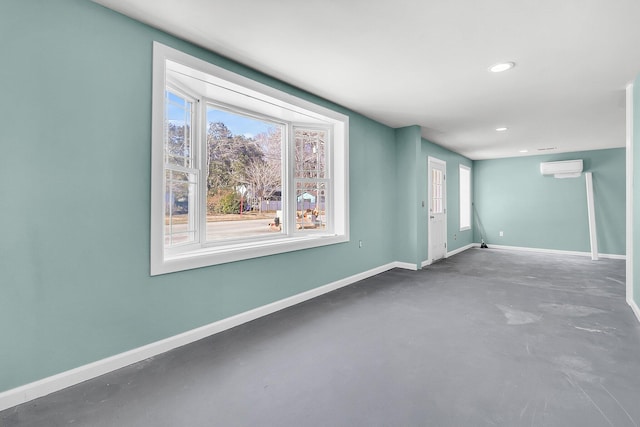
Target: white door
[437, 227]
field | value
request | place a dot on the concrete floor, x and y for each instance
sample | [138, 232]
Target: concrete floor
[484, 338]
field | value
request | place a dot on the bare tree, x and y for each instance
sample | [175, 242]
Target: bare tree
[236, 159]
[310, 148]
[263, 178]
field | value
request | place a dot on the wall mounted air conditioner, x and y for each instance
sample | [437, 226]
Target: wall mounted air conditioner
[564, 169]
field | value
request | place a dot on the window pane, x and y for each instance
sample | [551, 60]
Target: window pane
[311, 209]
[437, 205]
[310, 148]
[465, 197]
[244, 178]
[180, 210]
[178, 130]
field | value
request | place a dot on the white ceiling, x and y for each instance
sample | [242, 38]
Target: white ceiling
[425, 62]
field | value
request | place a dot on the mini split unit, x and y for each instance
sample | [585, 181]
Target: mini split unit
[564, 169]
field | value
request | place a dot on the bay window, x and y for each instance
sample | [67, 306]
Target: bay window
[239, 169]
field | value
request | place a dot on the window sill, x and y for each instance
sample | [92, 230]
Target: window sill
[465, 228]
[204, 257]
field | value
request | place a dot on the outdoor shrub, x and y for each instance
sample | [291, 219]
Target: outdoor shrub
[224, 202]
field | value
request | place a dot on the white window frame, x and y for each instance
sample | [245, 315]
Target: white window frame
[462, 201]
[283, 108]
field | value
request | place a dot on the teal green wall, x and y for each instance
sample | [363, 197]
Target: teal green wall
[408, 202]
[536, 211]
[455, 238]
[411, 220]
[636, 191]
[74, 180]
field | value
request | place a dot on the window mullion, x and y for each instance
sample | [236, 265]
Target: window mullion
[175, 168]
[289, 181]
[201, 151]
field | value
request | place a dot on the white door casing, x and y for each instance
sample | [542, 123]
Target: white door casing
[437, 226]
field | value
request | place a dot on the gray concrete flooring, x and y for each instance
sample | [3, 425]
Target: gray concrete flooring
[484, 338]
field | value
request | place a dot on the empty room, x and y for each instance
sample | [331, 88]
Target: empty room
[412, 213]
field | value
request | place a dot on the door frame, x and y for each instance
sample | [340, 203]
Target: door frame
[443, 163]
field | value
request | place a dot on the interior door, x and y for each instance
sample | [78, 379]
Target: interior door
[437, 227]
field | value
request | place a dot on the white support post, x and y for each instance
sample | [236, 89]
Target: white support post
[593, 238]
[630, 174]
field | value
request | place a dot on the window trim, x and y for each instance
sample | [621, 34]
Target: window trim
[161, 261]
[468, 169]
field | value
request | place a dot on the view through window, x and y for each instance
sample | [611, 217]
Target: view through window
[238, 172]
[244, 175]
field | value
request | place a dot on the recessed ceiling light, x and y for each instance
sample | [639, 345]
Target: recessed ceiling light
[524, 151]
[502, 129]
[503, 66]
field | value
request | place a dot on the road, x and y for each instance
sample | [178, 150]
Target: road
[227, 229]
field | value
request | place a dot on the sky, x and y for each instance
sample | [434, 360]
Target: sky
[238, 125]
[177, 110]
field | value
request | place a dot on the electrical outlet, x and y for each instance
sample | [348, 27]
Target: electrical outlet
[501, 234]
[359, 243]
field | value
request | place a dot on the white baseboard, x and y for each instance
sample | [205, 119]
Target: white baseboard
[405, 265]
[66, 379]
[610, 256]
[550, 251]
[462, 249]
[634, 307]
[428, 262]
